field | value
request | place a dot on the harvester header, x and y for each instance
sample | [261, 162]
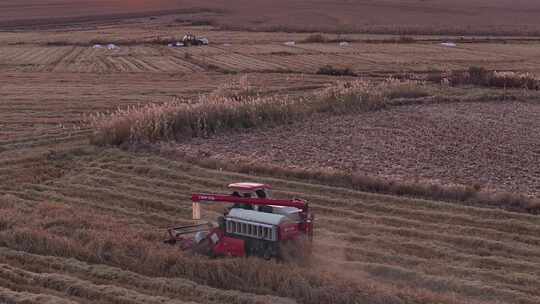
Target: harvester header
[209, 198]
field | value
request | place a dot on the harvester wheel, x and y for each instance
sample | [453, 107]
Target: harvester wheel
[267, 255]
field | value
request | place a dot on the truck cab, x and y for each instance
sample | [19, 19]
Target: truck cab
[250, 190]
[262, 191]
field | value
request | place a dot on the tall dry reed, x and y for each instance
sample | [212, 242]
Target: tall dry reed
[482, 77]
[242, 107]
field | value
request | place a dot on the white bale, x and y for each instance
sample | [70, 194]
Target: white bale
[449, 44]
[290, 43]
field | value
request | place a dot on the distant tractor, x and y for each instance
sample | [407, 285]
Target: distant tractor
[255, 225]
[190, 39]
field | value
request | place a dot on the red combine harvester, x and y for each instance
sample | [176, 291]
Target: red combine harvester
[255, 225]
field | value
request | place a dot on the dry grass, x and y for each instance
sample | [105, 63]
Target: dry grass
[240, 107]
[482, 77]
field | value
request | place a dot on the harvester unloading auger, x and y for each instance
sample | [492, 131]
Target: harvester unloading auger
[255, 225]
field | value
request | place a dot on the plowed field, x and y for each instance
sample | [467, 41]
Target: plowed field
[488, 144]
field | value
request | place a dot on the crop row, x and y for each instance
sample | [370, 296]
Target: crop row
[444, 247]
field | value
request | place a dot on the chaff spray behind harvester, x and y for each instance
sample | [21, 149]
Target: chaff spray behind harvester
[255, 225]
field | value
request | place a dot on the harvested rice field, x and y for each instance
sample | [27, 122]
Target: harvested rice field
[300, 58]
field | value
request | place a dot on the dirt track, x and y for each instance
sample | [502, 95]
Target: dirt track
[491, 144]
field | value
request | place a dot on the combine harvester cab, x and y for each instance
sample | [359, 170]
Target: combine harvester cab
[255, 225]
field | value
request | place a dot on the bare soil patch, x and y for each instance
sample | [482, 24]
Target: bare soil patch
[491, 144]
